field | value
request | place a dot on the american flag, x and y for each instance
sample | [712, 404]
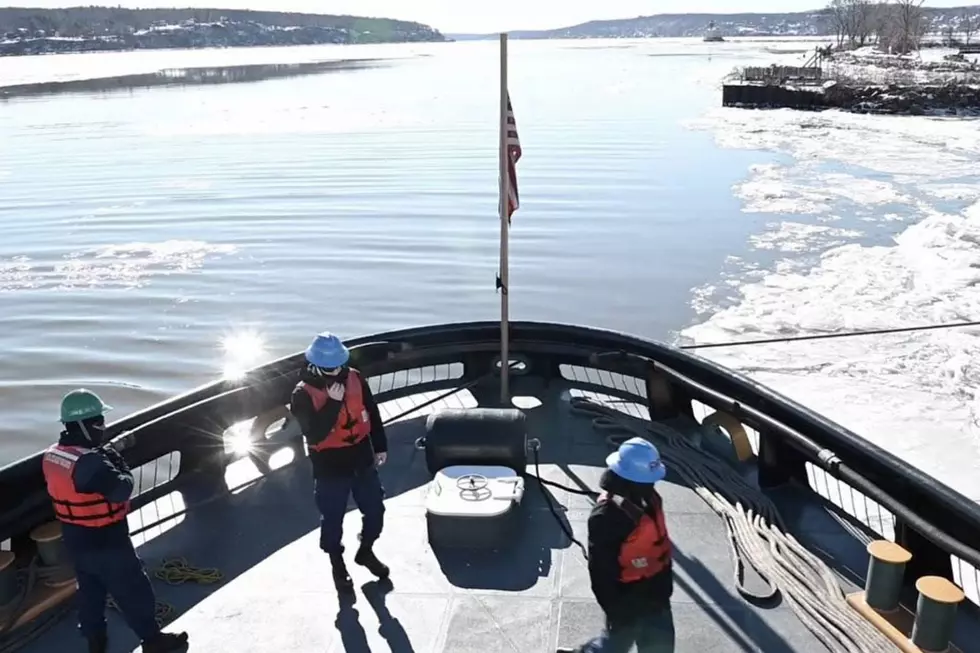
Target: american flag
[513, 156]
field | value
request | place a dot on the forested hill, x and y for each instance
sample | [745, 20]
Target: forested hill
[33, 31]
[818, 22]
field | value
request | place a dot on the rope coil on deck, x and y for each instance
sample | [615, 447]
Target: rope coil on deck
[28, 578]
[756, 530]
[173, 571]
[176, 571]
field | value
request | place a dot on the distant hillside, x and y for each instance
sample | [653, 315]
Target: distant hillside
[35, 31]
[807, 23]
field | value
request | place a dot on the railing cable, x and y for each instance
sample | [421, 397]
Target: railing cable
[832, 336]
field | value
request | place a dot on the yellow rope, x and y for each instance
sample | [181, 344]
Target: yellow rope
[176, 571]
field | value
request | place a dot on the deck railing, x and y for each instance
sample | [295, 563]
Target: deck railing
[782, 74]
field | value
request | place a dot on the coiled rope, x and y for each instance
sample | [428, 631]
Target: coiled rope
[177, 571]
[756, 531]
[173, 571]
[28, 577]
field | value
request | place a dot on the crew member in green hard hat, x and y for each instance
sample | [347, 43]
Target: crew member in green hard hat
[346, 440]
[90, 487]
[630, 555]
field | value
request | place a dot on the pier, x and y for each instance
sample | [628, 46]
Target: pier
[779, 87]
[809, 87]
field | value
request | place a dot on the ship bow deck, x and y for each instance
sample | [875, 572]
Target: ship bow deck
[276, 593]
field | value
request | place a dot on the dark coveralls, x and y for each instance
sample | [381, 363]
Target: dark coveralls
[341, 472]
[104, 558]
[638, 612]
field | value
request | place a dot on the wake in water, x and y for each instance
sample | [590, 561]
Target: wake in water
[849, 268]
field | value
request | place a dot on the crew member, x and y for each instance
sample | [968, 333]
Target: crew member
[346, 440]
[90, 487]
[630, 555]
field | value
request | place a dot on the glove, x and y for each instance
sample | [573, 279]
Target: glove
[336, 391]
[380, 458]
[116, 458]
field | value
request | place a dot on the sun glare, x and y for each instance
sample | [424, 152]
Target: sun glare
[243, 350]
[237, 438]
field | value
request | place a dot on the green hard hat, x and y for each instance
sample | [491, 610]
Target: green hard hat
[82, 404]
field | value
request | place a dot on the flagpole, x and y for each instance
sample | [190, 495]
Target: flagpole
[504, 231]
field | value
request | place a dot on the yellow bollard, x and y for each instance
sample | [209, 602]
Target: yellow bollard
[935, 613]
[51, 550]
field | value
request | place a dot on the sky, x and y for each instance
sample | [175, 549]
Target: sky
[482, 16]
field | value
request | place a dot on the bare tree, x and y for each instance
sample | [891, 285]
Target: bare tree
[838, 18]
[883, 24]
[909, 24]
[949, 34]
[862, 20]
[852, 21]
[969, 23]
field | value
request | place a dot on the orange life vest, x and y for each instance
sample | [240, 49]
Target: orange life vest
[646, 551]
[70, 505]
[353, 422]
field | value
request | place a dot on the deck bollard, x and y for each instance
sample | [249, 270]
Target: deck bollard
[935, 613]
[886, 568]
[51, 549]
[8, 578]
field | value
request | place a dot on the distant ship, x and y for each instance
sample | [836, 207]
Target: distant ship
[712, 35]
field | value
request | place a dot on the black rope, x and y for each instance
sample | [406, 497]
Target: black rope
[830, 336]
[549, 500]
[13, 639]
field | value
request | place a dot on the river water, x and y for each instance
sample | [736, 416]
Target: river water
[157, 237]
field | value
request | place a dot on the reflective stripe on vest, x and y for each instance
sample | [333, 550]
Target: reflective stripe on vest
[646, 551]
[353, 422]
[71, 506]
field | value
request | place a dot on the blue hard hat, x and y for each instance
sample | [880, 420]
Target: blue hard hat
[637, 460]
[327, 351]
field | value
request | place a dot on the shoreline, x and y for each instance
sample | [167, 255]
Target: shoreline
[192, 76]
[943, 83]
[11, 49]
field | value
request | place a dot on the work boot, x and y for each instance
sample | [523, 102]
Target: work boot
[366, 558]
[341, 579]
[566, 649]
[166, 643]
[98, 644]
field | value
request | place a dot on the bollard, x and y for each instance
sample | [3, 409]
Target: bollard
[51, 550]
[8, 579]
[886, 568]
[935, 613]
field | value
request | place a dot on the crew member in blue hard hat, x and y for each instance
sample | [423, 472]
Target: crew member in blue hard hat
[90, 487]
[346, 440]
[630, 555]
